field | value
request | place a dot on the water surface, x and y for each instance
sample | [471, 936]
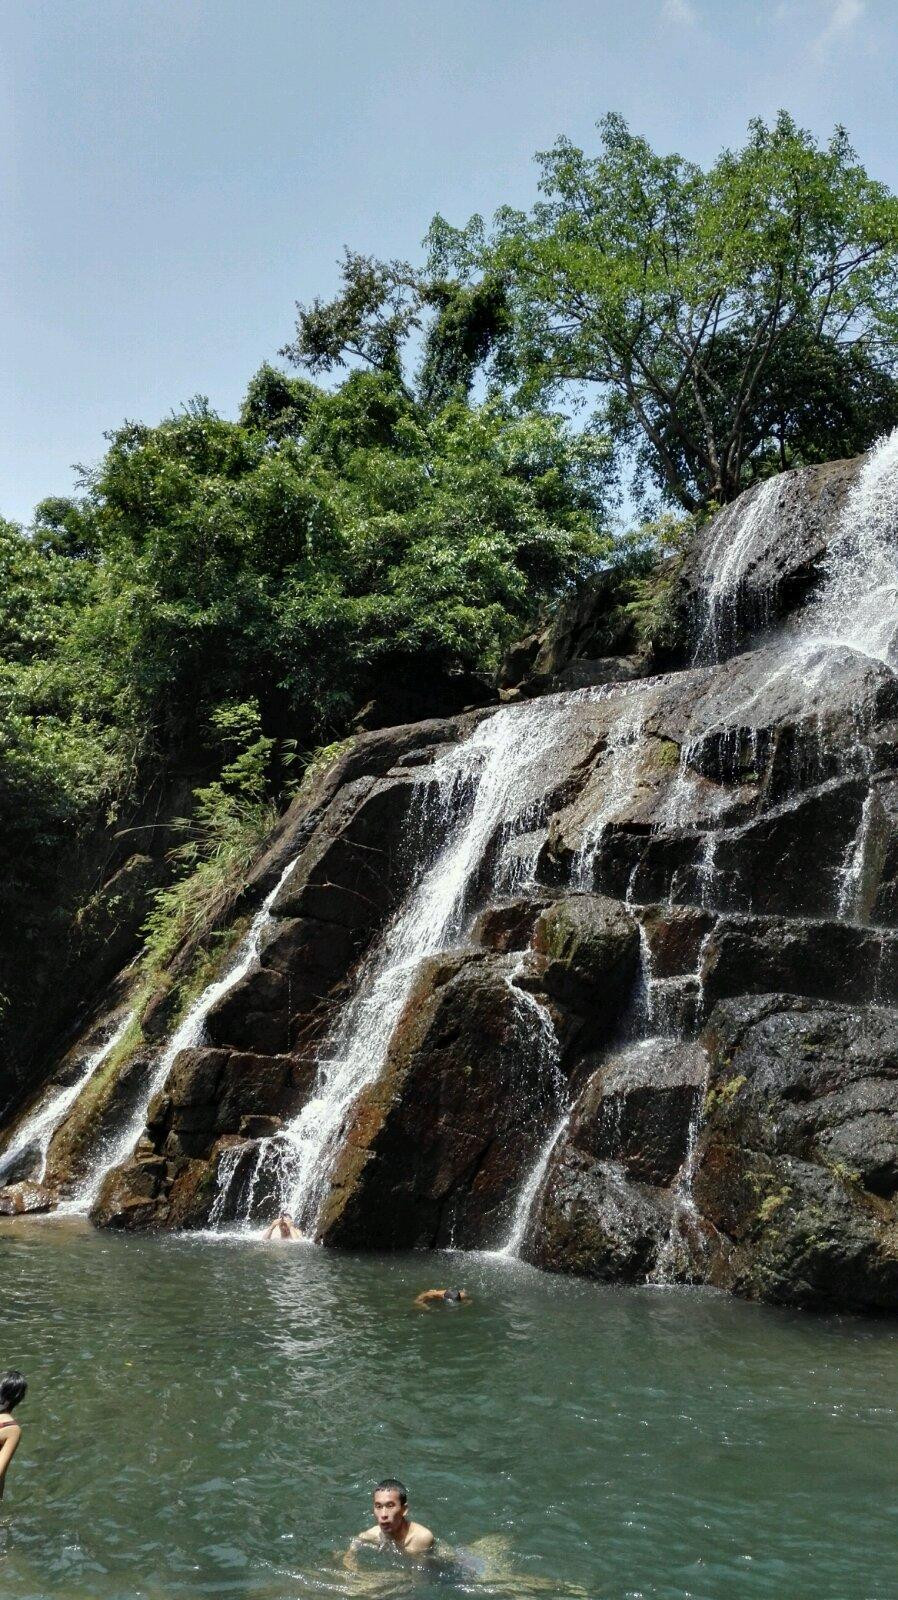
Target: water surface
[206, 1420]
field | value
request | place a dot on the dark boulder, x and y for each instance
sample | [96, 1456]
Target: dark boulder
[637, 1107]
[596, 1222]
[589, 949]
[797, 1164]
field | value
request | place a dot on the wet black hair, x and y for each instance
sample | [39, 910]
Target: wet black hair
[393, 1483]
[452, 1294]
[12, 1389]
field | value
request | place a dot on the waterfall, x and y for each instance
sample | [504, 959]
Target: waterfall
[37, 1131]
[186, 1036]
[858, 605]
[621, 758]
[477, 795]
[739, 528]
[685, 1212]
[530, 1191]
[548, 1055]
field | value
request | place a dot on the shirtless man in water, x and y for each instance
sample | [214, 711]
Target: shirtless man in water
[393, 1530]
[283, 1227]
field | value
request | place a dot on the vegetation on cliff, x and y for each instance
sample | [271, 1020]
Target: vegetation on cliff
[730, 321]
[224, 596]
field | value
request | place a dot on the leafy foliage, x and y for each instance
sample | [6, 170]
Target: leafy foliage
[732, 319]
[231, 817]
[223, 589]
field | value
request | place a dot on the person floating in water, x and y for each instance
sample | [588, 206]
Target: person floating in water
[283, 1227]
[393, 1531]
[12, 1391]
[442, 1297]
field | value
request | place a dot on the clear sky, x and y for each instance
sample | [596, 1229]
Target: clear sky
[177, 173]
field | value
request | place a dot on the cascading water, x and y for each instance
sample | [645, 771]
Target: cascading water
[740, 528]
[186, 1036]
[858, 605]
[481, 787]
[620, 767]
[530, 1192]
[548, 1055]
[35, 1134]
[685, 1215]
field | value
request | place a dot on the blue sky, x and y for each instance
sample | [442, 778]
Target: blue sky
[178, 172]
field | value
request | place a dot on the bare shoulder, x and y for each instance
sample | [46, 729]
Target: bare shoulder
[370, 1536]
[418, 1538]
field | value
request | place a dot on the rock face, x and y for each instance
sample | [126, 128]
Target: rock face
[645, 1029]
[607, 1205]
[797, 1164]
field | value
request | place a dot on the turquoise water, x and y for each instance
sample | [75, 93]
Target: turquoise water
[206, 1419]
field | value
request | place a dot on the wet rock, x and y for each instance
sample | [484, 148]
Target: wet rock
[790, 860]
[21, 1199]
[827, 960]
[596, 1222]
[508, 925]
[254, 1014]
[359, 849]
[435, 1150]
[793, 519]
[589, 945]
[132, 1197]
[675, 936]
[636, 1108]
[797, 1163]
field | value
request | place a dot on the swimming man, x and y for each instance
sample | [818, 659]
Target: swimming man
[442, 1297]
[393, 1530]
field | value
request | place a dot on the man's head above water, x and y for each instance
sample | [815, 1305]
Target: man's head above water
[393, 1529]
[390, 1502]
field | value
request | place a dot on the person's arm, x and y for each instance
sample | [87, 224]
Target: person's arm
[351, 1560]
[295, 1233]
[9, 1444]
[269, 1231]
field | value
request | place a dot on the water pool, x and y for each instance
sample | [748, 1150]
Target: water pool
[206, 1419]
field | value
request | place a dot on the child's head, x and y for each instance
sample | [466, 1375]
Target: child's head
[12, 1389]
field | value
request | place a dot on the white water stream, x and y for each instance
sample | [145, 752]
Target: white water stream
[186, 1036]
[37, 1131]
[484, 786]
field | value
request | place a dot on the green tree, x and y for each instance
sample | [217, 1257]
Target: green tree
[726, 315]
[385, 309]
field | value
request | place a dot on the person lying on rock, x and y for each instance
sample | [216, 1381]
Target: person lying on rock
[12, 1391]
[393, 1531]
[283, 1227]
[442, 1297]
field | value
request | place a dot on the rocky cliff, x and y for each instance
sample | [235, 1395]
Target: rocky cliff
[608, 977]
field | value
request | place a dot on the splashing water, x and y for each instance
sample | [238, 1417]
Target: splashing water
[186, 1036]
[37, 1131]
[858, 606]
[482, 786]
[740, 529]
[549, 1056]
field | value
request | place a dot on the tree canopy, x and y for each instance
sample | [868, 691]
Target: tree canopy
[729, 321]
[726, 314]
